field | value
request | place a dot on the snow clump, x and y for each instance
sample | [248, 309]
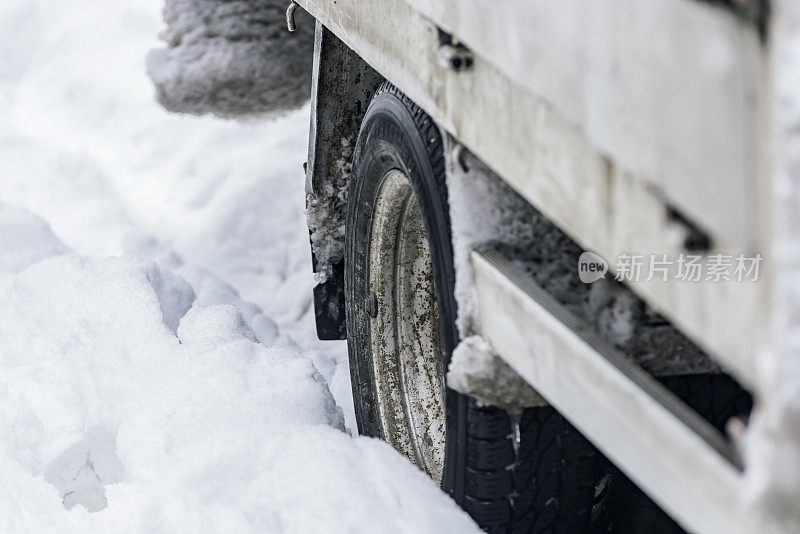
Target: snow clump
[476, 370]
[232, 58]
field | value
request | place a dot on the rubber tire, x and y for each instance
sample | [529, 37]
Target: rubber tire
[548, 485]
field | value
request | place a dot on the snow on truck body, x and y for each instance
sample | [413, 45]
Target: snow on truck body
[636, 128]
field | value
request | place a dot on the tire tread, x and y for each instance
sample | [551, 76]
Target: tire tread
[546, 485]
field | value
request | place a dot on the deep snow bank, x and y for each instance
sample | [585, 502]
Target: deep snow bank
[85, 146]
[111, 395]
[106, 407]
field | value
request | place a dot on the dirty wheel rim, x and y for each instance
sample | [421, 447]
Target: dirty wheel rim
[405, 336]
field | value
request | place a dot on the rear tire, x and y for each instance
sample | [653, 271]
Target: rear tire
[531, 473]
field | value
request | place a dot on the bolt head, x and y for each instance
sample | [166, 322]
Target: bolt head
[372, 304]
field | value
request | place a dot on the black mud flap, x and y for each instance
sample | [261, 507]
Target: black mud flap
[329, 306]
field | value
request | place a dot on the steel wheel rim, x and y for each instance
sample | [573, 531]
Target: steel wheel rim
[405, 336]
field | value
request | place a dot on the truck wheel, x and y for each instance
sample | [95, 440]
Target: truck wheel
[533, 473]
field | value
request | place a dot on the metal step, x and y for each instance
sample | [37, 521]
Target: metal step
[673, 454]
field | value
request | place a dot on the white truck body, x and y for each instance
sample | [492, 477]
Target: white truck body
[632, 126]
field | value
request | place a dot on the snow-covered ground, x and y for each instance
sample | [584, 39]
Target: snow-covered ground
[159, 370]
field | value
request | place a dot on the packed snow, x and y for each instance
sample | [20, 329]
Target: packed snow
[485, 211]
[158, 364]
[326, 214]
[477, 370]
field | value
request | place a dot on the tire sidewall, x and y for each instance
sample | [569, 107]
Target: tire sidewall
[395, 135]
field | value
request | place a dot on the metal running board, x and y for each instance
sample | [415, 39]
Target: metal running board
[672, 453]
